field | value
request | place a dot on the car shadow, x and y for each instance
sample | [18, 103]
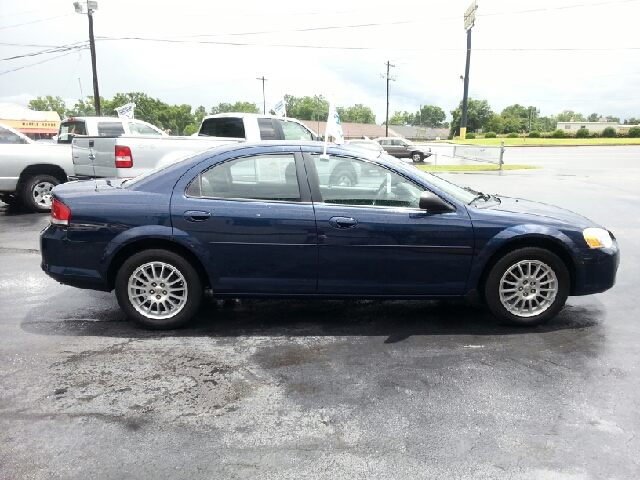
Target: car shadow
[396, 320]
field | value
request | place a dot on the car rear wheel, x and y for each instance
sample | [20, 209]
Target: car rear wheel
[416, 157]
[36, 193]
[158, 289]
[527, 287]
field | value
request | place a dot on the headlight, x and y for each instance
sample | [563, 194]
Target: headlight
[597, 238]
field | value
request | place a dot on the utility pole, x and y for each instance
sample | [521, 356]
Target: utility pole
[264, 102]
[388, 77]
[469, 21]
[91, 7]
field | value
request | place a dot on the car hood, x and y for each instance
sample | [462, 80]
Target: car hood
[528, 209]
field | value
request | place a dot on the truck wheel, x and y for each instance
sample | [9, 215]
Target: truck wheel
[527, 287]
[343, 176]
[416, 157]
[158, 289]
[36, 192]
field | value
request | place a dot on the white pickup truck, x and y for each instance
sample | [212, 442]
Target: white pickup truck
[29, 170]
[122, 157]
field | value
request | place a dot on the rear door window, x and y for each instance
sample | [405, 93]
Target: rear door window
[295, 131]
[267, 129]
[223, 127]
[142, 129]
[110, 129]
[70, 129]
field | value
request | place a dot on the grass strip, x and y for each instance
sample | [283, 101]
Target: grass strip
[472, 168]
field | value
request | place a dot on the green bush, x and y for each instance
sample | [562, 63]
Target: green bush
[609, 132]
[582, 133]
[490, 135]
[558, 134]
[512, 135]
[634, 132]
[470, 136]
[534, 135]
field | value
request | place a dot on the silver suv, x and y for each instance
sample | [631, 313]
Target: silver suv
[402, 148]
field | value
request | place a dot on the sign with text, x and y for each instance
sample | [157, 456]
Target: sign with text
[478, 153]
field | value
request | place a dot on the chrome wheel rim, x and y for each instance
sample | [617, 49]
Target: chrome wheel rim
[343, 180]
[157, 290]
[42, 193]
[416, 157]
[528, 288]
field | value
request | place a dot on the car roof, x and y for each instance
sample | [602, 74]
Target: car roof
[249, 115]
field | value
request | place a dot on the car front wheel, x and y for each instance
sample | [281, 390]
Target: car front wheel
[528, 286]
[158, 289]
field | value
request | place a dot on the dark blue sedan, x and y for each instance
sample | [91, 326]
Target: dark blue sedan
[284, 220]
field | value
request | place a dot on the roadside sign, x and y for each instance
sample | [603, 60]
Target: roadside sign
[480, 154]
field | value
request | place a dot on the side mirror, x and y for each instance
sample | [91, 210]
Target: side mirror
[433, 203]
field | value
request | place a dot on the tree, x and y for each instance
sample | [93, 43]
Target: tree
[545, 124]
[356, 114]
[632, 121]
[570, 116]
[245, 107]
[199, 114]
[478, 114]
[495, 124]
[49, 103]
[430, 116]
[84, 108]
[307, 108]
[594, 117]
[399, 118]
[610, 118]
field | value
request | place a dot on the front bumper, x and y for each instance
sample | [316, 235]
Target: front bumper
[598, 269]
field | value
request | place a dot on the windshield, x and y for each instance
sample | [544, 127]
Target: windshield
[459, 193]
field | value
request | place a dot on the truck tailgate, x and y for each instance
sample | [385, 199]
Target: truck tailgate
[94, 156]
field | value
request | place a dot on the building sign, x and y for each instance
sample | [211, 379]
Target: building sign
[33, 126]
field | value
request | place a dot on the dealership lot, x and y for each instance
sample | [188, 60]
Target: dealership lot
[332, 389]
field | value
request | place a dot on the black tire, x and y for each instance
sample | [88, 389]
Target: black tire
[526, 287]
[342, 176]
[416, 157]
[165, 311]
[11, 200]
[36, 192]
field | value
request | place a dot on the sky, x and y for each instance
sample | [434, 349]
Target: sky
[555, 55]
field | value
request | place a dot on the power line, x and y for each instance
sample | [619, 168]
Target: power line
[63, 48]
[328, 47]
[36, 21]
[38, 63]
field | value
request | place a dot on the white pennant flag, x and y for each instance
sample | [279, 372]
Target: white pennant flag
[125, 111]
[334, 128]
[280, 109]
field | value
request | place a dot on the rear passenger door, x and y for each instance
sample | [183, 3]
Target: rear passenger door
[255, 217]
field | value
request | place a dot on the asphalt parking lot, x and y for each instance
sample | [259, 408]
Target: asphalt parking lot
[331, 389]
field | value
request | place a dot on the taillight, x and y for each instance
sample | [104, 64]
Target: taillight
[123, 157]
[60, 213]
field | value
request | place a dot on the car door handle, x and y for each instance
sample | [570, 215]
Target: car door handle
[196, 216]
[342, 222]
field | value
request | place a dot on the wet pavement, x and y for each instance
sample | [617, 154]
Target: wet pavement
[331, 389]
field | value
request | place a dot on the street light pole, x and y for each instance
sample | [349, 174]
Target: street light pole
[264, 102]
[469, 21]
[388, 77]
[91, 7]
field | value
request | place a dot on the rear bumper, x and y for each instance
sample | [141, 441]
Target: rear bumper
[63, 261]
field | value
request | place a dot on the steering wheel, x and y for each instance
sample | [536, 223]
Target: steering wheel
[381, 190]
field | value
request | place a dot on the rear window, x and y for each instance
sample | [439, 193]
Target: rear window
[223, 127]
[110, 129]
[70, 129]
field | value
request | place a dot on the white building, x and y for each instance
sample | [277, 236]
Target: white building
[591, 126]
